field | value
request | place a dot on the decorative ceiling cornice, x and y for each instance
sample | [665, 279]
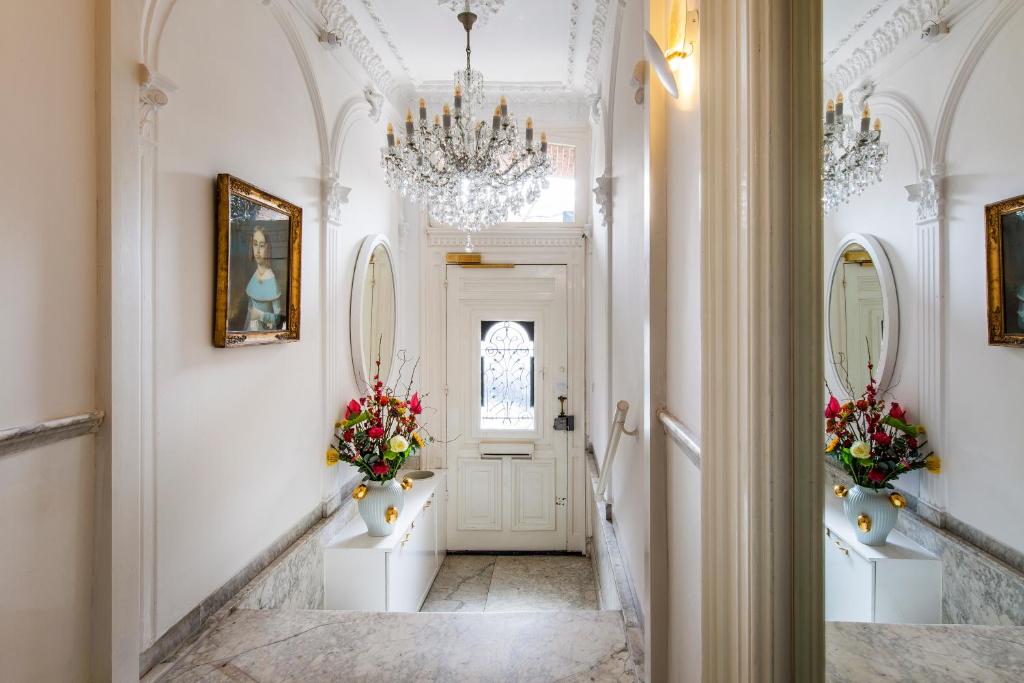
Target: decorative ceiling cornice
[341, 23]
[906, 20]
[371, 9]
[590, 80]
[574, 20]
[856, 29]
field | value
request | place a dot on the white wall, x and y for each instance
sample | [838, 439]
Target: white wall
[982, 430]
[240, 433]
[48, 191]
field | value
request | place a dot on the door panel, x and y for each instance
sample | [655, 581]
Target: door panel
[507, 362]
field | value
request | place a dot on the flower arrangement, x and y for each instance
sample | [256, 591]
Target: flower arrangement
[379, 432]
[874, 442]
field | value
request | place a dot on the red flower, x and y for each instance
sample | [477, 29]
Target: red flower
[862, 404]
[379, 467]
[911, 442]
[876, 476]
[897, 412]
[881, 438]
[417, 408]
[353, 408]
[383, 400]
[375, 432]
[348, 435]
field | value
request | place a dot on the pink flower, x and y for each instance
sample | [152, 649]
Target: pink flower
[876, 476]
[881, 438]
[897, 412]
[375, 432]
[379, 467]
[414, 404]
[353, 408]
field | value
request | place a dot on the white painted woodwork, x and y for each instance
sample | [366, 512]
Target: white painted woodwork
[394, 573]
[512, 483]
[897, 583]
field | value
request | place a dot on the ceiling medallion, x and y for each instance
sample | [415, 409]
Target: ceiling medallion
[852, 159]
[467, 174]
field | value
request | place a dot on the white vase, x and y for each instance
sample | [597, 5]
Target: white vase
[381, 505]
[872, 513]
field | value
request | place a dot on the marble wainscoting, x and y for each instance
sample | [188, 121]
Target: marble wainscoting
[977, 588]
[615, 588]
[313, 646]
[923, 654]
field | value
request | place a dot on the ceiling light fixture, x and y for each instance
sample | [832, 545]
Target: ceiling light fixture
[467, 174]
[852, 158]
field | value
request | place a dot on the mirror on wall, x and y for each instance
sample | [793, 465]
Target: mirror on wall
[374, 312]
[862, 316]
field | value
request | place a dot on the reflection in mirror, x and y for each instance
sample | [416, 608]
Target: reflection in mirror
[856, 318]
[379, 313]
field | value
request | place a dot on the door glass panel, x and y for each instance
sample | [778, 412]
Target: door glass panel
[506, 374]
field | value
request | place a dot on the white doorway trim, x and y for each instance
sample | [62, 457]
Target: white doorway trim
[762, 274]
[525, 245]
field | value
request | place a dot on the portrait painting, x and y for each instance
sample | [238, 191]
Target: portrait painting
[259, 244]
[1004, 232]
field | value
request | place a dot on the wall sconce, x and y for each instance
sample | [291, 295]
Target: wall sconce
[688, 43]
[656, 58]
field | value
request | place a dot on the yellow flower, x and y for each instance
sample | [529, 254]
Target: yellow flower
[417, 439]
[921, 429]
[332, 457]
[832, 444]
[398, 444]
[933, 463]
[860, 450]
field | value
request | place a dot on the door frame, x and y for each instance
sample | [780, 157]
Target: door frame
[526, 245]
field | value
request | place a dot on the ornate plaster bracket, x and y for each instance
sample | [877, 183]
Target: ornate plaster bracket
[154, 91]
[603, 197]
[335, 197]
[927, 195]
[376, 101]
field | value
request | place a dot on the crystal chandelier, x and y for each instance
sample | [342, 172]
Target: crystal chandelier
[468, 174]
[852, 159]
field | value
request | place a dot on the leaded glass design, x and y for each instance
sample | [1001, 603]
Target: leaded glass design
[506, 374]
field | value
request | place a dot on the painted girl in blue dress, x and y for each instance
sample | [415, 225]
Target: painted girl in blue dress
[264, 310]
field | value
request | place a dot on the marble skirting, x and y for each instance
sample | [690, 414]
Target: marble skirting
[288, 574]
[977, 588]
[925, 654]
[615, 589]
[314, 646]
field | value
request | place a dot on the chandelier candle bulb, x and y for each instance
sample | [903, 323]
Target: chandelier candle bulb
[878, 126]
[830, 113]
[458, 98]
[496, 121]
[544, 143]
[408, 124]
[839, 106]
[391, 135]
[447, 117]
[865, 120]
[529, 130]
[504, 106]
[423, 109]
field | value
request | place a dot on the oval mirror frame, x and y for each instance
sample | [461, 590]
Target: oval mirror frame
[885, 364]
[360, 354]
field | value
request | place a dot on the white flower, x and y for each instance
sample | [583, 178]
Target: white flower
[398, 444]
[860, 450]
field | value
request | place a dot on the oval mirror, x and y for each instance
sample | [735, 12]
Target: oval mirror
[862, 317]
[373, 325]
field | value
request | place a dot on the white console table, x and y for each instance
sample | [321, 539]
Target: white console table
[898, 583]
[393, 573]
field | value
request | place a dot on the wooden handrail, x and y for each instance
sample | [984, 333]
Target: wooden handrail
[17, 439]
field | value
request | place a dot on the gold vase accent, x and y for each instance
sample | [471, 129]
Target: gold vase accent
[359, 492]
[839, 490]
[864, 523]
[406, 484]
[897, 500]
[391, 515]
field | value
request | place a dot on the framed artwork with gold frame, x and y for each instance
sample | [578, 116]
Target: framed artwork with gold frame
[1004, 247]
[258, 272]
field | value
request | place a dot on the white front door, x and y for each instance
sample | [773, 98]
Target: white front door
[507, 364]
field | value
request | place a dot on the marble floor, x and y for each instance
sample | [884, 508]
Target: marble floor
[513, 583]
[319, 646]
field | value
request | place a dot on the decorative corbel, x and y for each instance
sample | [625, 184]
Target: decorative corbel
[375, 100]
[153, 94]
[335, 197]
[603, 197]
[927, 195]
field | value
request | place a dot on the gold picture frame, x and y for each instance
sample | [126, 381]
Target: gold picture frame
[1004, 249]
[258, 266]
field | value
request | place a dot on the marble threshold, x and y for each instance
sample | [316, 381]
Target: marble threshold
[321, 645]
[923, 653]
